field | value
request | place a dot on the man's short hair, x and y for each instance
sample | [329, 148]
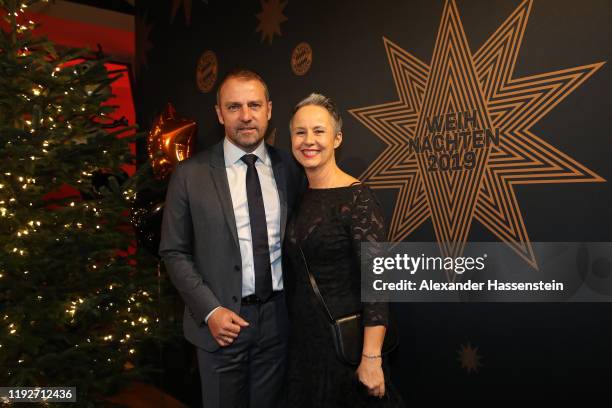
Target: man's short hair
[316, 99]
[246, 75]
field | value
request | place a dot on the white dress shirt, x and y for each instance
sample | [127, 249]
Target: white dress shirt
[236, 176]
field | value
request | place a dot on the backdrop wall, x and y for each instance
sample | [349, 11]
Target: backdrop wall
[538, 71]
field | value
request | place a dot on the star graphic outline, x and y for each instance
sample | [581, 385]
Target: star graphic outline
[512, 104]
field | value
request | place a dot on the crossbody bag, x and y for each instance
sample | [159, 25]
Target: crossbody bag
[347, 331]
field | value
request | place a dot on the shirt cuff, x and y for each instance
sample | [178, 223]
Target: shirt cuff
[210, 314]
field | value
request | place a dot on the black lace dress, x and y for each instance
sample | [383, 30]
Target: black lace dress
[329, 225]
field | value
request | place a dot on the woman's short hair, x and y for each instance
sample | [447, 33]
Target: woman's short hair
[323, 101]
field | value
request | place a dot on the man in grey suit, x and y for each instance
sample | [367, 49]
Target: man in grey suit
[222, 233]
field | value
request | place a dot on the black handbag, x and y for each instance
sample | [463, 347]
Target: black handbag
[347, 331]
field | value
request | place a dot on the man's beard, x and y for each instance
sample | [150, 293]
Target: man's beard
[248, 140]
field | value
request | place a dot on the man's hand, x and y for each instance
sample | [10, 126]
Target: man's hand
[225, 326]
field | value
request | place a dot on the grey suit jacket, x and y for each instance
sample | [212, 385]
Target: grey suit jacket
[199, 241]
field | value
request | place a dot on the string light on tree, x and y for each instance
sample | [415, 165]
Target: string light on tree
[54, 136]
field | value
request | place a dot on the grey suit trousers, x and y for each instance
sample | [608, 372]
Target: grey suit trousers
[248, 373]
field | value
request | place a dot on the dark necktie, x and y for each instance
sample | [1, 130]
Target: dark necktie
[259, 230]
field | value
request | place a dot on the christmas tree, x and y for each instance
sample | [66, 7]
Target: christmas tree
[77, 306]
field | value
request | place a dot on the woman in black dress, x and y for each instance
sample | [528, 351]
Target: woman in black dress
[335, 215]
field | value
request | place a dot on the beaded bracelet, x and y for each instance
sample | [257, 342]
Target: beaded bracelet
[371, 356]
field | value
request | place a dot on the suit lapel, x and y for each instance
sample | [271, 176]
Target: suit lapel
[281, 185]
[219, 176]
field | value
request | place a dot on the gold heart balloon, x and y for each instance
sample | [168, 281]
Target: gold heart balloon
[170, 140]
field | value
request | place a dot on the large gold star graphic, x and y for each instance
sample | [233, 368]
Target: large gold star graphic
[458, 139]
[270, 19]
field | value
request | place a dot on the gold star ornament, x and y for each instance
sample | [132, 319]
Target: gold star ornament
[469, 358]
[176, 4]
[270, 19]
[143, 43]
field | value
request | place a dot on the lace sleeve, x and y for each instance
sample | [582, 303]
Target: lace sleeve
[367, 225]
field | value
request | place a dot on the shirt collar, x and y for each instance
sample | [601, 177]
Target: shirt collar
[232, 153]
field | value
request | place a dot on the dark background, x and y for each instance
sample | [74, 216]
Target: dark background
[547, 351]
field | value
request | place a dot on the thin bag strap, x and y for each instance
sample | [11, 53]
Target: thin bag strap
[315, 288]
